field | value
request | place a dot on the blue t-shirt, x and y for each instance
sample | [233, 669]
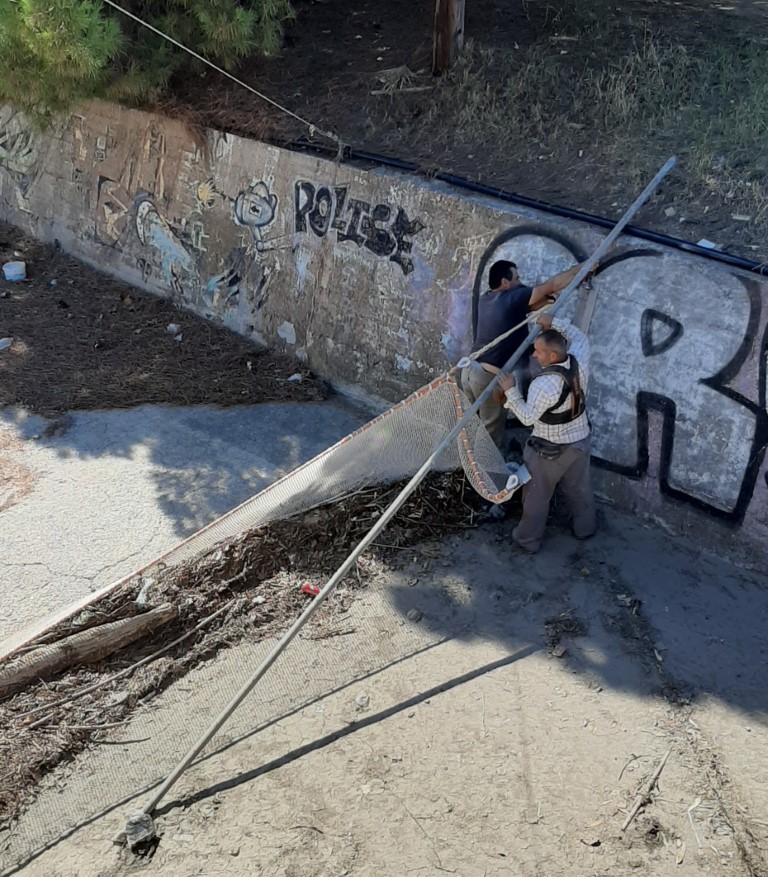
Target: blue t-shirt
[497, 312]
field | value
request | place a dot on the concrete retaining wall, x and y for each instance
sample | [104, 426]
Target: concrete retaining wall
[369, 277]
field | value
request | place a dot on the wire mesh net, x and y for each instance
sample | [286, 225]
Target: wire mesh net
[390, 447]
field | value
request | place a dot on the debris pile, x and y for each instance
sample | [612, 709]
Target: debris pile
[246, 589]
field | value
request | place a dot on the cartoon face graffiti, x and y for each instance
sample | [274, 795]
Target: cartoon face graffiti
[255, 208]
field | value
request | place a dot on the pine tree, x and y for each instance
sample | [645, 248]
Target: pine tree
[56, 52]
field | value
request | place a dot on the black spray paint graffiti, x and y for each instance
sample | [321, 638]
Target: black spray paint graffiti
[661, 357]
[653, 339]
[329, 208]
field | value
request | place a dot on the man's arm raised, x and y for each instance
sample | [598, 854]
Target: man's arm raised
[548, 291]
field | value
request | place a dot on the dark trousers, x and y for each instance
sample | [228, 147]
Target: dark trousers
[571, 471]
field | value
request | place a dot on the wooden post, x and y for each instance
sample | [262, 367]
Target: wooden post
[449, 34]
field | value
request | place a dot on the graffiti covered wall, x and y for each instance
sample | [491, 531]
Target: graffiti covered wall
[369, 277]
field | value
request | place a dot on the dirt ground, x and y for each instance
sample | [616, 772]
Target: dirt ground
[507, 728]
[573, 103]
[248, 588]
[83, 340]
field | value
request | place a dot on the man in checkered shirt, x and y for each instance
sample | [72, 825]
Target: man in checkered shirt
[558, 450]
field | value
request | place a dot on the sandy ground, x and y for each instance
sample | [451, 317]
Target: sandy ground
[459, 743]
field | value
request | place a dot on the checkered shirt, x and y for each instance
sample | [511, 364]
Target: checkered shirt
[545, 390]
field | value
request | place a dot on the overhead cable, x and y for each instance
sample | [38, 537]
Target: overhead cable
[313, 129]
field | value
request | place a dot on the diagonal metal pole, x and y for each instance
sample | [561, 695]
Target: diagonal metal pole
[590, 263]
[392, 510]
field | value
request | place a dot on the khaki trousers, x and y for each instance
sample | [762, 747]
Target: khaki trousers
[494, 416]
[571, 471]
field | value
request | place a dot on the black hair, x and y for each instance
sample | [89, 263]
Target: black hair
[501, 270]
[555, 341]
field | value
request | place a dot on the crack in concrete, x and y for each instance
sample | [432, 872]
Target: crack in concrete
[89, 577]
[123, 560]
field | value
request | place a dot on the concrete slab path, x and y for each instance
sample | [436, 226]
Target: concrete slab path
[88, 498]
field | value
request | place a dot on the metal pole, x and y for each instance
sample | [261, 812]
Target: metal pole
[390, 512]
[586, 267]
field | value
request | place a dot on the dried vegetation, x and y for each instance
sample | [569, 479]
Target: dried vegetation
[577, 103]
[245, 589]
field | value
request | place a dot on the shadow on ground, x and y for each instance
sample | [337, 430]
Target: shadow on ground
[632, 610]
[194, 463]
[695, 624]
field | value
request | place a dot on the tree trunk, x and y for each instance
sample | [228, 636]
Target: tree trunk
[81, 648]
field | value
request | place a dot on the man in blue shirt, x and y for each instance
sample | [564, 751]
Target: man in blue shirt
[503, 306]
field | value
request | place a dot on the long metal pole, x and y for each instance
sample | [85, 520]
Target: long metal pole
[391, 511]
[589, 264]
